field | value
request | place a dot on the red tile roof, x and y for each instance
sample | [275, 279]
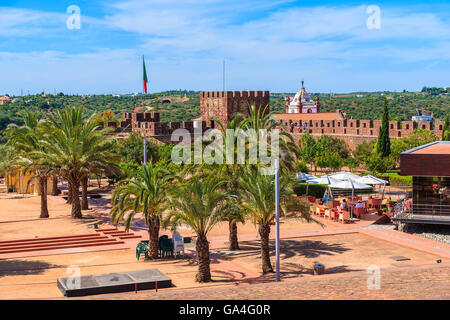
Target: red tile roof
[437, 148]
[308, 116]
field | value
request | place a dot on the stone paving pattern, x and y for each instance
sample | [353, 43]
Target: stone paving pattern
[429, 282]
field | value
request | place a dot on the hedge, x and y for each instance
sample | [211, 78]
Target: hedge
[397, 180]
[394, 178]
[315, 190]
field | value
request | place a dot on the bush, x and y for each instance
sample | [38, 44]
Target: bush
[315, 190]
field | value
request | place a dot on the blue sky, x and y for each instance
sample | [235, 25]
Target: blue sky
[267, 45]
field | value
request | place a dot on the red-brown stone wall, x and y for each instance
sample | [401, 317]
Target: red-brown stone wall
[223, 105]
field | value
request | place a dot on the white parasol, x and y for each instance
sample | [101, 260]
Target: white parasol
[344, 175]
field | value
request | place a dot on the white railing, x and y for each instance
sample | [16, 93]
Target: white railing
[420, 211]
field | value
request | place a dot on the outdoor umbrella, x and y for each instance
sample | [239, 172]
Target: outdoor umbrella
[373, 181]
[349, 184]
[301, 176]
[322, 180]
[344, 175]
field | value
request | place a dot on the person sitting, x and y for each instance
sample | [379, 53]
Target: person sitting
[325, 198]
[344, 205]
[359, 205]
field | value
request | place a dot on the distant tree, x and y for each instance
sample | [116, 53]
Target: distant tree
[364, 150]
[302, 167]
[379, 164]
[352, 163]
[384, 142]
[131, 149]
[446, 129]
[329, 160]
[333, 145]
[308, 148]
[106, 117]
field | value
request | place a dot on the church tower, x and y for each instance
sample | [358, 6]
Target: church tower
[302, 102]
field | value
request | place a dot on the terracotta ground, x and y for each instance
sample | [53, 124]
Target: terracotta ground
[346, 250]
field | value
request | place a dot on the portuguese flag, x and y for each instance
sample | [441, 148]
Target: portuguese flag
[144, 75]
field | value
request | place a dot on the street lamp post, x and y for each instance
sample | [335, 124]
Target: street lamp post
[277, 219]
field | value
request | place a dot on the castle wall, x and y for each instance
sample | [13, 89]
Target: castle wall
[223, 105]
[354, 132]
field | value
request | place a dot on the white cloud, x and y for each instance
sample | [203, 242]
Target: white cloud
[191, 29]
[266, 48]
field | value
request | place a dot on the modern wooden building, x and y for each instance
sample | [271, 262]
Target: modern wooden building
[430, 167]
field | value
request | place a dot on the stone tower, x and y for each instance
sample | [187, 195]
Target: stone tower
[223, 105]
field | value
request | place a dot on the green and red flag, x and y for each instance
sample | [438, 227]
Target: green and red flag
[144, 75]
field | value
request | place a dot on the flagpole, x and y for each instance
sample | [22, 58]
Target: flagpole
[143, 86]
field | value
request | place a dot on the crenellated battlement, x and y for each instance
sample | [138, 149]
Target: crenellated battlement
[223, 105]
[234, 94]
[148, 124]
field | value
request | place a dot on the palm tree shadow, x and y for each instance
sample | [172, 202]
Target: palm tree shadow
[291, 248]
[228, 276]
[23, 268]
[295, 248]
[292, 270]
[310, 248]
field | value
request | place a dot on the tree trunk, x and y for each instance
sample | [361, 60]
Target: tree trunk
[264, 232]
[153, 236]
[54, 186]
[233, 238]
[69, 192]
[84, 198]
[76, 206]
[204, 272]
[44, 207]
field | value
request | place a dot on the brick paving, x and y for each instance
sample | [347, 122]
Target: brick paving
[417, 283]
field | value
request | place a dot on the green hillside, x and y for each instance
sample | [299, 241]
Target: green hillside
[185, 105]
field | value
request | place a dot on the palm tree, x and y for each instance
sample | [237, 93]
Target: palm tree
[29, 147]
[145, 194]
[231, 172]
[260, 119]
[7, 153]
[76, 146]
[259, 203]
[199, 203]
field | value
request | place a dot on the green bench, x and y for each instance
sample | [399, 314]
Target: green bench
[93, 225]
